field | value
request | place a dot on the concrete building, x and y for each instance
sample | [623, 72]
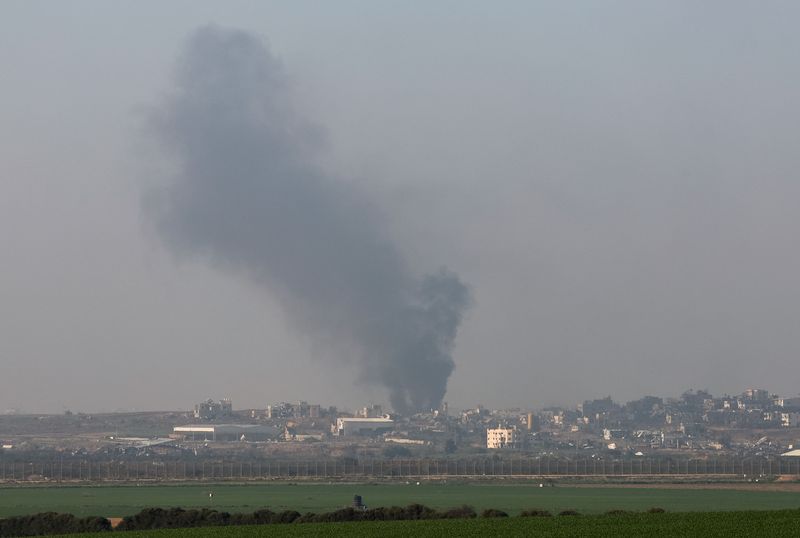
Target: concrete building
[789, 403]
[210, 410]
[501, 438]
[790, 420]
[372, 411]
[301, 409]
[756, 395]
[533, 423]
[609, 434]
[363, 426]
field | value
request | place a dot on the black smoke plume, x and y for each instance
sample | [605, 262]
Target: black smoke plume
[248, 195]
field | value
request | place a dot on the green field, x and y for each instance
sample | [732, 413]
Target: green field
[773, 524]
[118, 501]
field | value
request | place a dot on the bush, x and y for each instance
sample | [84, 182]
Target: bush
[93, 524]
[345, 514]
[419, 511]
[617, 512]
[287, 516]
[264, 516]
[462, 512]
[308, 517]
[51, 523]
[535, 513]
[656, 510]
[493, 512]
[176, 518]
[569, 513]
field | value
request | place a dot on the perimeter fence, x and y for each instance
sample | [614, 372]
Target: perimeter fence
[366, 469]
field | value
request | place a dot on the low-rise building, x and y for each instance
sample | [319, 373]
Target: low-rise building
[790, 420]
[211, 410]
[501, 437]
[225, 432]
[609, 434]
[372, 411]
[363, 426]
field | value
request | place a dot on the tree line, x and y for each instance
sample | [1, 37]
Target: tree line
[48, 523]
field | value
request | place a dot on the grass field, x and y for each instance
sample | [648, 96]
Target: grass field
[117, 501]
[773, 524]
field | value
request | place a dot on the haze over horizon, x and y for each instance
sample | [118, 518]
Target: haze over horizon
[615, 184]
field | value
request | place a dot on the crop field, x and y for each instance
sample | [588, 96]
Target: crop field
[774, 524]
[118, 501]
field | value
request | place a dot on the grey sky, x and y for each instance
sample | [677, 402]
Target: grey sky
[617, 182]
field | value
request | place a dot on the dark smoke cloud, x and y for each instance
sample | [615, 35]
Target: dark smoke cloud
[248, 196]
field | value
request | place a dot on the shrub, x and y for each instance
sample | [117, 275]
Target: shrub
[533, 512]
[462, 512]
[308, 517]
[345, 514]
[569, 513]
[174, 518]
[419, 511]
[51, 523]
[493, 512]
[617, 512]
[287, 516]
[263, 516]
[656, 510]
[93, 524]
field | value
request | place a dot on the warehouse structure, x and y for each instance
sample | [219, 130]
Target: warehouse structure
[225, 432]
[363, 426]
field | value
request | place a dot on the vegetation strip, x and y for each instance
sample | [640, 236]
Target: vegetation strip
[776, 524]
[373, 522]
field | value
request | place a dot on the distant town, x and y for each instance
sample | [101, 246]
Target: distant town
[755, 423]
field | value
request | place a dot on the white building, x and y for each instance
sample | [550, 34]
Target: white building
[362, 426]
[790, 420]
[501, 437]
[225, 432]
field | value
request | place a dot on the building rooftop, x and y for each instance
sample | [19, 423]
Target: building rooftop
[357, 419]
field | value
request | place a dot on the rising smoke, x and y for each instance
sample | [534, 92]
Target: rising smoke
[248, 196]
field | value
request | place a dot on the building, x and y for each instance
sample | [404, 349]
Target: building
[788, 403]
[609, 434]
[225, 432]
[501, 437]
[300, 409]
[363, 426]
[756, 395]
[790, 420]
[533, 423]
[372, 411]
[211, 410]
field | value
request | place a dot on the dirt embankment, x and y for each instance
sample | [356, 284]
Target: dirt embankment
[743, 486]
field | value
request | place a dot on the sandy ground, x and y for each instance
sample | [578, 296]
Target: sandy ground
[743, 486]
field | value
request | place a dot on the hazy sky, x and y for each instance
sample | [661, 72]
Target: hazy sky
[617, 183]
